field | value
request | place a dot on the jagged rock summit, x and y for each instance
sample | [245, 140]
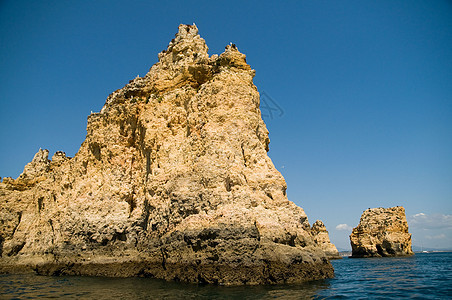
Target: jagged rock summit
[381, 232]
[172, 181]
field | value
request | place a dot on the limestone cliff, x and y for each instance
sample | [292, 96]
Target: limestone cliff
[172, 181]
[381, 232]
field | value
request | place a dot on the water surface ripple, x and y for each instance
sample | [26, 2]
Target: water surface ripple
[422, 276]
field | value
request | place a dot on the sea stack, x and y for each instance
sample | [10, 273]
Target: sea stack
[321, 237]
[381, 232]
[173, 181]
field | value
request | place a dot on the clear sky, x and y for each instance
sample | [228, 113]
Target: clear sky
[361, 91]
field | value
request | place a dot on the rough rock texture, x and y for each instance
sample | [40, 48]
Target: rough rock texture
[381, 232]
[173, 181]
[321, 237]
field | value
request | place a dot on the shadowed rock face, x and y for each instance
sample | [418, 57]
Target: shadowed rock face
[381, 232]
[172, 181]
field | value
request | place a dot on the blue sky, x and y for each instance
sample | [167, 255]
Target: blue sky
[363, 91]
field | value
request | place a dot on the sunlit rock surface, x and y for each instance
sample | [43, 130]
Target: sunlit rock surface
[173, 181]
[321, 237]
[381, 232]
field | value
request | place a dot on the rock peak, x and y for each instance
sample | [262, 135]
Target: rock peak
[38, 165]
[185, 63]
[186, 44]
[187, 31]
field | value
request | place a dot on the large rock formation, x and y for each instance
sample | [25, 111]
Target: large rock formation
[381, 232]
[173, 181]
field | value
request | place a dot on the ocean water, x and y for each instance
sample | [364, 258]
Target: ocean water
[422, 276]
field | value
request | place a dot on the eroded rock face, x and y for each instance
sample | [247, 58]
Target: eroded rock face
[173, 181]
[381, 232]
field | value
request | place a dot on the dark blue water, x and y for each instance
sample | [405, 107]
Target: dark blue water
[422, 276]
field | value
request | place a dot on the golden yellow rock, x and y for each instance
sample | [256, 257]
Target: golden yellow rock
[172, 181]
[381, 232]
[321, 237]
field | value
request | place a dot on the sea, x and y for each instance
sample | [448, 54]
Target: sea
[421, 276]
